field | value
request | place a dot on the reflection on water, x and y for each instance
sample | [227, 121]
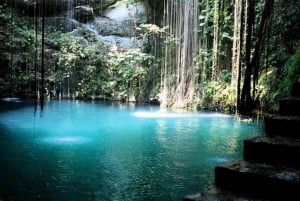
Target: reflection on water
[169, 114]
[81, 150]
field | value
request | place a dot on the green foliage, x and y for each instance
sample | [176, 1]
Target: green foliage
[92, 68]
[22, 35]
[127, 71]
[217, 96]
[271, 88]
[79, 63]
[151, 29]
[17, 36]
[5, 15]
[226, 76]
[292, 73]
[267, 91]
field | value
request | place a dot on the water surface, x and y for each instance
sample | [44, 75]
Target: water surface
[80, 151]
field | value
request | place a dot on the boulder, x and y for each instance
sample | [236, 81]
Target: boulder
[124, 11]
[96, 3]
[99, 6]
[106, 27]
[83, 14]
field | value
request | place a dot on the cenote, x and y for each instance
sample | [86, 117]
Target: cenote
[96, 150]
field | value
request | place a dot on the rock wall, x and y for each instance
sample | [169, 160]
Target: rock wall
[55, 7]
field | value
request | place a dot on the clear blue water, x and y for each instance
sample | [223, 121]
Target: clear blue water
[81, 151]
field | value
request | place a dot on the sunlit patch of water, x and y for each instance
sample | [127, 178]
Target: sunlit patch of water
[65, 140]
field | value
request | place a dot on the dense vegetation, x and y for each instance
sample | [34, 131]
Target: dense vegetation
[238, 55]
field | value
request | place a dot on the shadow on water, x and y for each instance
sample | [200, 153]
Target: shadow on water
[27, 175]
[12, 159]
[16, 181]
[10, 104]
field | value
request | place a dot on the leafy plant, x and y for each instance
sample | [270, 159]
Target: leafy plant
[292, 73]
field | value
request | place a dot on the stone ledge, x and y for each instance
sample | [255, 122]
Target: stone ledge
[289, 106]
[259, 179]
[282, 125]
[273, 150]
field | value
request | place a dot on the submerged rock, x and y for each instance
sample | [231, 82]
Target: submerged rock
[288, 176]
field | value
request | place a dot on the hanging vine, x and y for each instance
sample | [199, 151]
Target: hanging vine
[181, 43]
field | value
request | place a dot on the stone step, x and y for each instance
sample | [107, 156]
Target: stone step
[216, 194]
[281, 125]
[275, 150]
[289, 106]
[296, 89]
[257, 179]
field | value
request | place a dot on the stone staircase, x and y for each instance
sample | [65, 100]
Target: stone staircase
[270, 168]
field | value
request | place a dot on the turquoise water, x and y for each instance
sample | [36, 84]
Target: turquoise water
[83, 151]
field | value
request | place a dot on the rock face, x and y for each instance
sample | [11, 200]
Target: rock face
[112, 20]
[96, 4]
[270, 168]
[52, 7]
[118, 23]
